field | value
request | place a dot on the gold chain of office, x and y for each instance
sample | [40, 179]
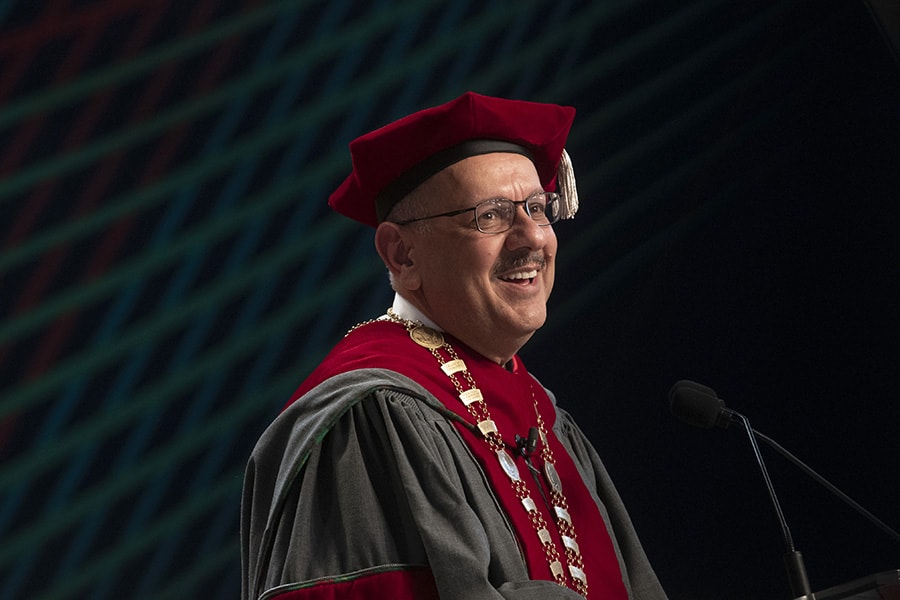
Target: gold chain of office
[471, 397]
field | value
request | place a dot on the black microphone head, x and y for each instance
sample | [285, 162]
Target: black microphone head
[696, 404]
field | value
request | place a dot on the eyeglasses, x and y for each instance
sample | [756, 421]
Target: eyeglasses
[498, 214]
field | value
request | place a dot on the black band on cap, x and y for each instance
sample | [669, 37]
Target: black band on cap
[411, 179]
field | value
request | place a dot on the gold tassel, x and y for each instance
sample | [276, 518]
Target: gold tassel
[565, 179]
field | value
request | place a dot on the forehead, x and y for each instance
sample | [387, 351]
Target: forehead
[487, 176]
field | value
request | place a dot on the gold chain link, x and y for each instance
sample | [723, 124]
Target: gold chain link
[481, 413]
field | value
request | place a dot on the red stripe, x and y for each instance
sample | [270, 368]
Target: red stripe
[414, 583]
[50, 28]
[53, 23]
[44, 273]
[96, 108]
[23, 52]
[52, 344]
[67, 71]
[58, 333]
[26, 135]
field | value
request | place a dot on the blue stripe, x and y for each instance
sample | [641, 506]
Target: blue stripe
[251, 311]
[130, 374]
[5, 7]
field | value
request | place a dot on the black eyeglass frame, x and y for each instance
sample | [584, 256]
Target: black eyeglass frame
[548, 198]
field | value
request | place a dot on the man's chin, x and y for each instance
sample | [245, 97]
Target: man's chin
[529, 324]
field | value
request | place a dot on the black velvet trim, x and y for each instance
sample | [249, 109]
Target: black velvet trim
[411, 179]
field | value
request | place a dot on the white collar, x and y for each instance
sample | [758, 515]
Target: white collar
[404, 309]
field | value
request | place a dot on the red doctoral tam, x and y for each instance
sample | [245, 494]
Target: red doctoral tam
[390, 162]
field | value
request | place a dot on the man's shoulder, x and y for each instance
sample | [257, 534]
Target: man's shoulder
[370, 346]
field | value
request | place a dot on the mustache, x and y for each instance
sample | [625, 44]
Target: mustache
[519, 260]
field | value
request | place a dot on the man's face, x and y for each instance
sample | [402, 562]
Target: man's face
[488, 290]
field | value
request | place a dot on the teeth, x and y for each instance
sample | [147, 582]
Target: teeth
[522, 275]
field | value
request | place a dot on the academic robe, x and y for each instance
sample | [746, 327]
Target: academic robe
[375, 484]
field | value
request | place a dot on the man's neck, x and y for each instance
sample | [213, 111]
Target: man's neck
[405, 309]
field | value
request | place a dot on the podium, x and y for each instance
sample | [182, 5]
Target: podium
[880, 586]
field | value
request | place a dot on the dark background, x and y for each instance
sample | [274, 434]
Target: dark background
[781, 294]
[170, 272]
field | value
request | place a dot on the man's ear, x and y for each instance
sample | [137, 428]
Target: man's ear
[394, 246]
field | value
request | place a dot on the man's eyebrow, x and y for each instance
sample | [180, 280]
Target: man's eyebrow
[537, 191]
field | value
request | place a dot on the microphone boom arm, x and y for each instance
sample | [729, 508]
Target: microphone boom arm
[793, 560]
[700, 406]
[827, 485]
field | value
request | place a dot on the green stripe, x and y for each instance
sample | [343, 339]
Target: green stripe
[188, 111]
[227, 418]
[202, 236]
[559, 39]
[214, 164]
[290, 318]
[153, 328]
[671, 130]
[177, 520]
[184, 583]
[87, 84]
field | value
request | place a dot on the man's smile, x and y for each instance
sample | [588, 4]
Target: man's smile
[520, 276]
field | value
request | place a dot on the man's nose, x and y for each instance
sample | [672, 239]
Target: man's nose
[525, 231]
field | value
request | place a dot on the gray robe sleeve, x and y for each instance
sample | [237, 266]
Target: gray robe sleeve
[361, 475]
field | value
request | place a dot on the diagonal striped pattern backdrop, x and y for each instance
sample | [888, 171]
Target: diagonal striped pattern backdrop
[169, 268]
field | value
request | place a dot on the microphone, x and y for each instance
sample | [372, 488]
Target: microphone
[699, 405]
[527, 445]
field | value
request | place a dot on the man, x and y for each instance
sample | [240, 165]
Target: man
[421, 459]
